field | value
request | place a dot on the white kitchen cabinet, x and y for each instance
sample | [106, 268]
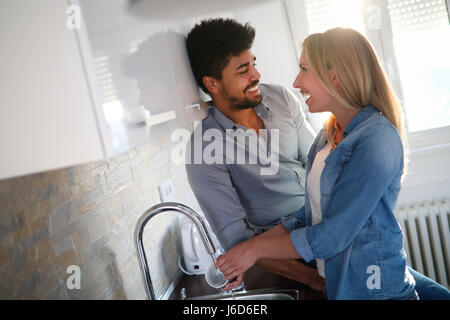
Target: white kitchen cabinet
[274, 45]
[139, 73]
[46, 115]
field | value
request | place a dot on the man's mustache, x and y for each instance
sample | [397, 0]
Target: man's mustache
[254, 83]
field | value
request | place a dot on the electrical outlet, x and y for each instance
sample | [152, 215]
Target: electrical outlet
[167, 191]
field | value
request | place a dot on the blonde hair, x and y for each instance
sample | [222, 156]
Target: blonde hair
[358, 71]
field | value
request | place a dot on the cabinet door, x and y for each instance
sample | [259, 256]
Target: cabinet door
[139, 73]
[274, 45]
[46, 114]
[186, 86]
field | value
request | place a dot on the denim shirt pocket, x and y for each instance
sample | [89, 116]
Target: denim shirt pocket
[334, 164]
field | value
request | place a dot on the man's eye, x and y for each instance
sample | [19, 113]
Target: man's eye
[246, 70]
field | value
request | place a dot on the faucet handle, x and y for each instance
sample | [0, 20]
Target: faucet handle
[241, 288]
[183, 294]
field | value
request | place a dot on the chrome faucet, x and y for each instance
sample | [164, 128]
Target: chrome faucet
[150, 213]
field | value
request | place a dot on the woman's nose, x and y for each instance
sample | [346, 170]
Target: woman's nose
[297, 82]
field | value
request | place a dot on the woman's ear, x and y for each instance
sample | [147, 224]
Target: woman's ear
[333, 78]
[211, 84]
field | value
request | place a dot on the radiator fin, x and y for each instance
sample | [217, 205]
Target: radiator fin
[427, 238]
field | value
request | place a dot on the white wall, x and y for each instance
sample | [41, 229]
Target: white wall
[428, 175]
[273, 45]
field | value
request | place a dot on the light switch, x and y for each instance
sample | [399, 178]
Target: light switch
[167, 191]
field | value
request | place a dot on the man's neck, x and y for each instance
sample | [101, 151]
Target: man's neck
[245, 117]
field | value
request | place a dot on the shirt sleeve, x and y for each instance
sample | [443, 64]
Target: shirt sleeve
[305, 132]
[374, 163]
[220, 203]
[295, 221]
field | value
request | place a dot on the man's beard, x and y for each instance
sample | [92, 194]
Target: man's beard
[244, 103]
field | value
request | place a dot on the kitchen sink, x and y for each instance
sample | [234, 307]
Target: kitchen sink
[262, 294]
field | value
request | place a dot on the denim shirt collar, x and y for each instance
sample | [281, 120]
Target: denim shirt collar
[262, 110]
[362, 115]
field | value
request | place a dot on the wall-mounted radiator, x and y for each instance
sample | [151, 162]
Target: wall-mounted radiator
[427, 238]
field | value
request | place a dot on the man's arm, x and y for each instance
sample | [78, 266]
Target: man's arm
[220, 203]
[295, 270]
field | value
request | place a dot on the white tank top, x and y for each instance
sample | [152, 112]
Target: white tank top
[314, 193]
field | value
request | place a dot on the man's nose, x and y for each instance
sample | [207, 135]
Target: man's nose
[255, 74]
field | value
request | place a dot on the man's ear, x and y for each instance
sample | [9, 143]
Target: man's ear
[211, 84]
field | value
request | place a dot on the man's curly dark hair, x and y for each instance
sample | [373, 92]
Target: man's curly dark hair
[211, 43]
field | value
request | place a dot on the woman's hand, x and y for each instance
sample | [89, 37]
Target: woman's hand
[275, 243]
[236, 261]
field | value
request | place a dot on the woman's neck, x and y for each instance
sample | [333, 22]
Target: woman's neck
[344, 116]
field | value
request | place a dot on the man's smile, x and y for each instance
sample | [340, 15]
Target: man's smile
[253, 89]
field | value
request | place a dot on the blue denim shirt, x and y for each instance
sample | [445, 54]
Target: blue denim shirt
[359, 237]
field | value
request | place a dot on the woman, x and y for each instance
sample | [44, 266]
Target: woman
[354, 170]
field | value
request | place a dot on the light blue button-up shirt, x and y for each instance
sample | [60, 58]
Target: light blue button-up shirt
[359, 237]
[240, 199]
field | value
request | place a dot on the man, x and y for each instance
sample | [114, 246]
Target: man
[248, 121]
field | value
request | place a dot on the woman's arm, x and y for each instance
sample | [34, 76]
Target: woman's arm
[288, 268]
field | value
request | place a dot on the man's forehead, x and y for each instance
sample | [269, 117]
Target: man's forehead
[244, 58]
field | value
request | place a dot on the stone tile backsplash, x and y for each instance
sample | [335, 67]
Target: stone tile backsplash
[85, 216]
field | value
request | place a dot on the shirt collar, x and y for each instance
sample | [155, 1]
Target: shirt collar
[262, 110]
[223, 120]
[362, 115]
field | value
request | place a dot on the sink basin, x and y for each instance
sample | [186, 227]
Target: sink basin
[263, 294]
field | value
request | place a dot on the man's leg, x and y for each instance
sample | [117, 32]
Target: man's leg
[428, 289]
[294, 270]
